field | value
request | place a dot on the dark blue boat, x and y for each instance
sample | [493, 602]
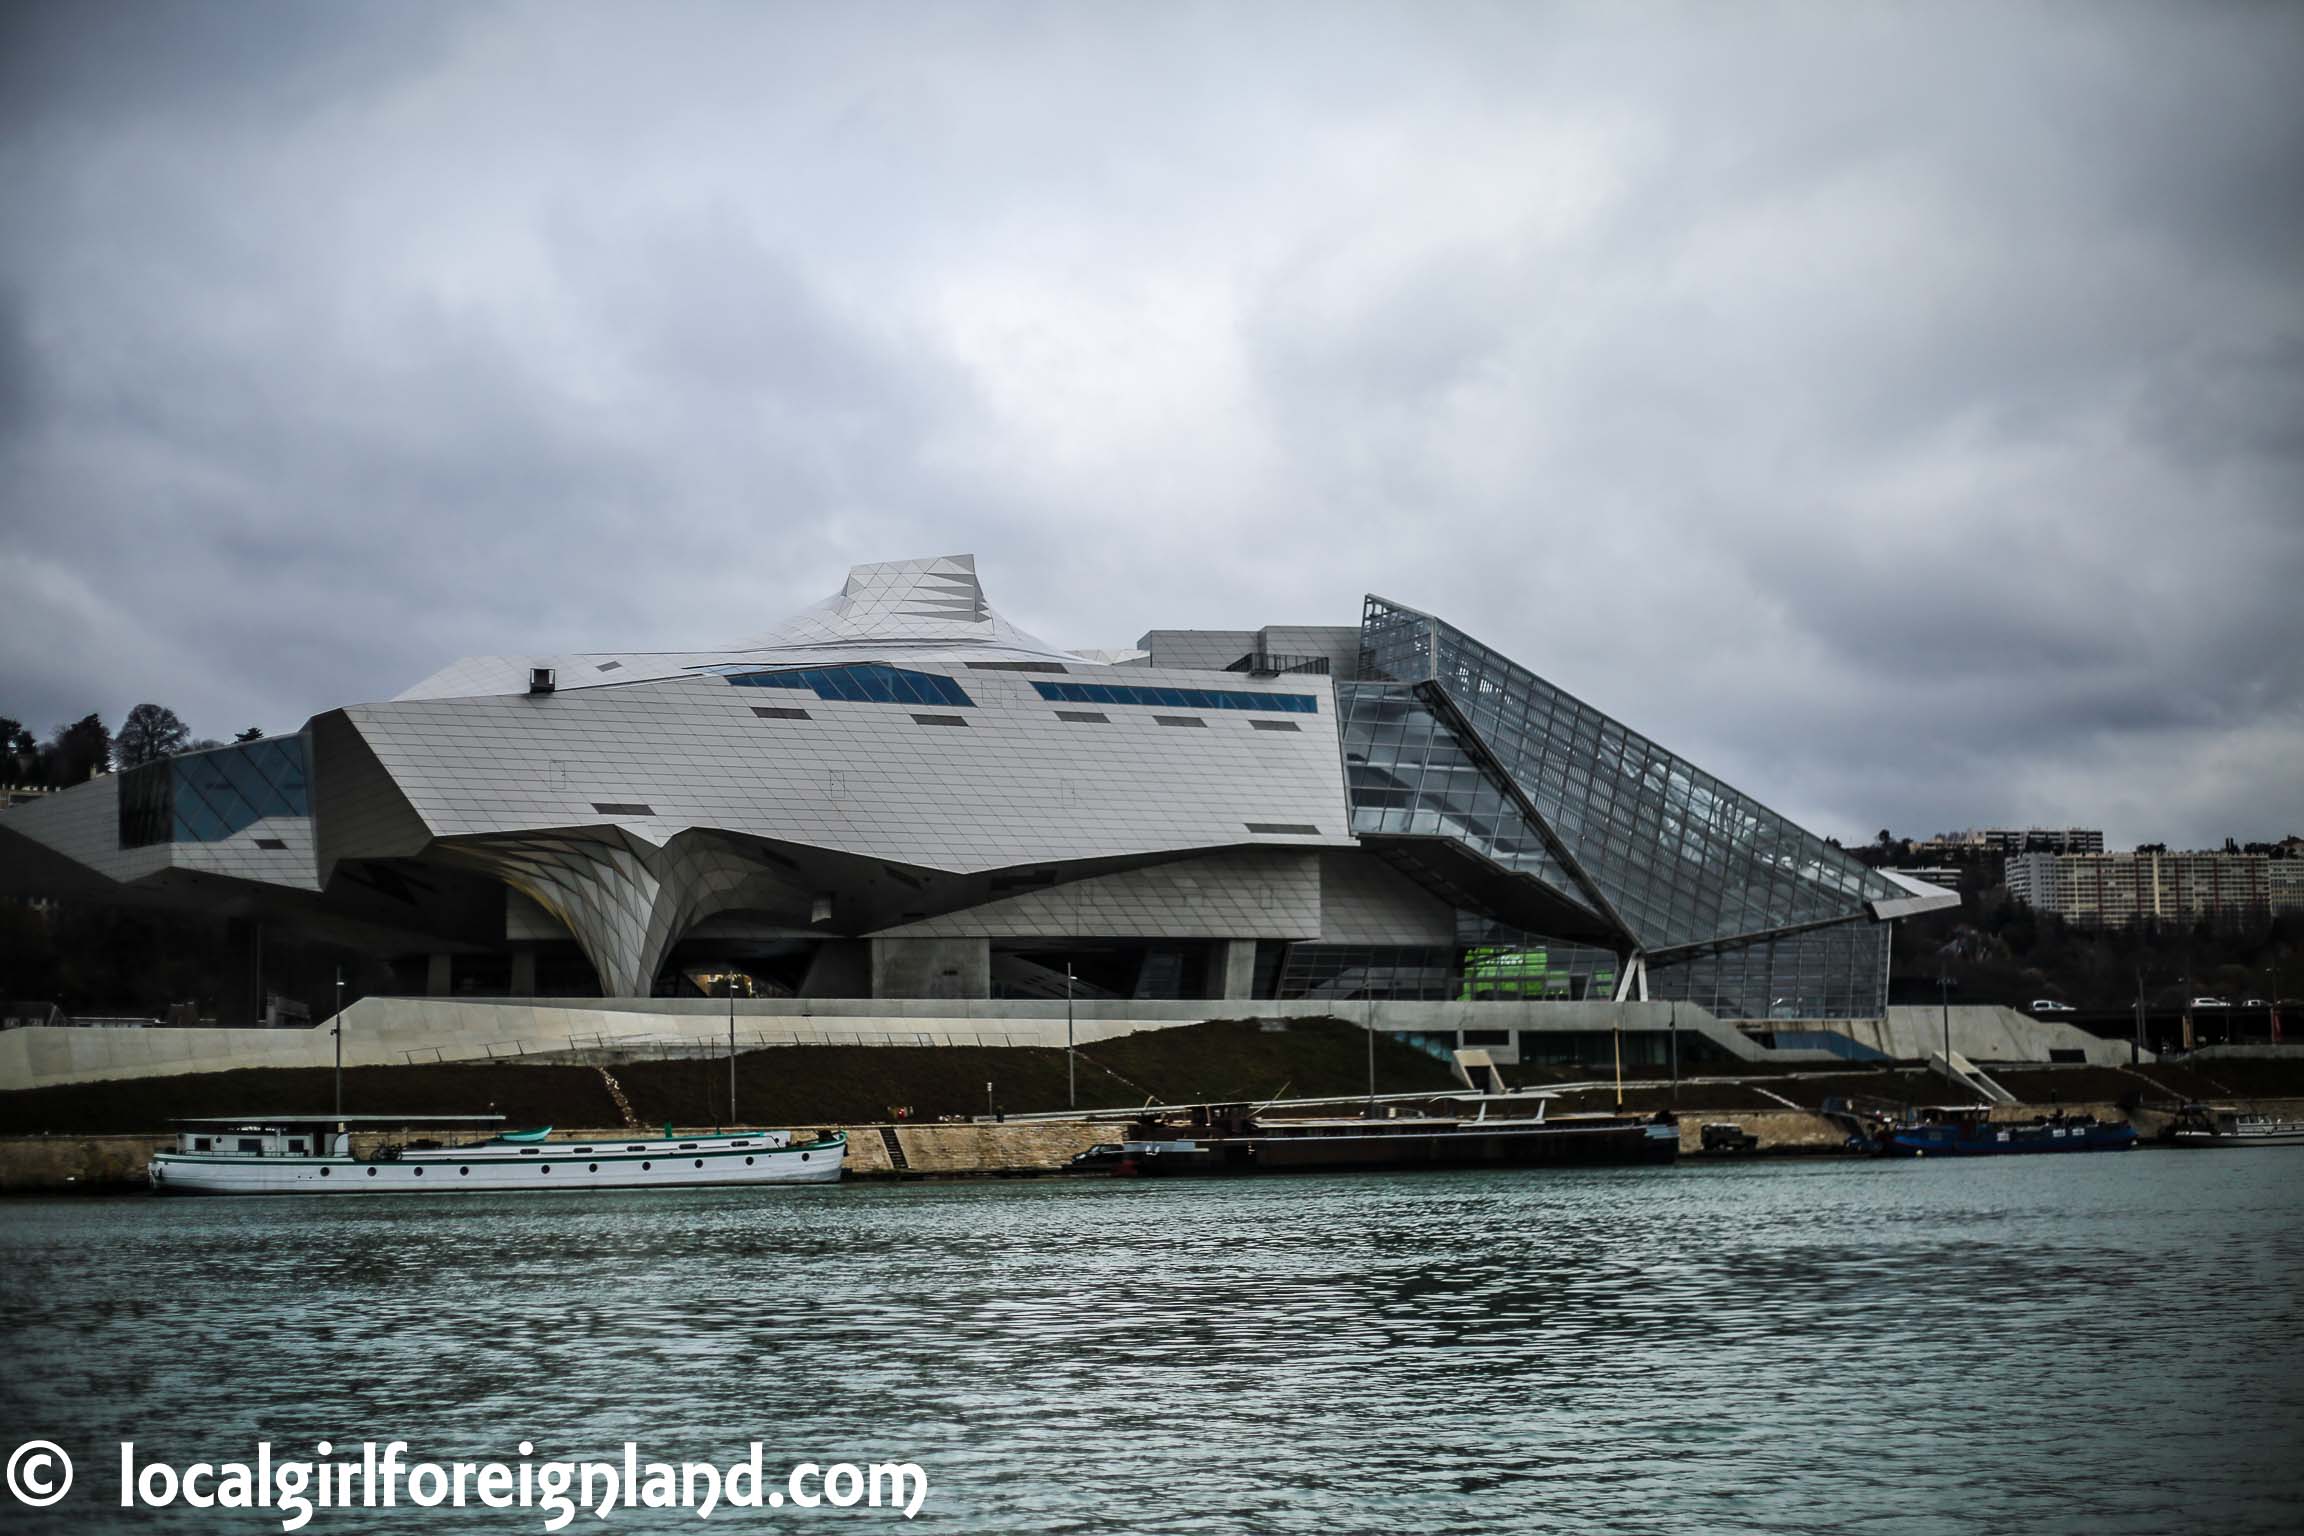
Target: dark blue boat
[1969, 1131]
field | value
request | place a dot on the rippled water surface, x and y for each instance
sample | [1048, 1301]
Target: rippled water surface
[2100, 1343]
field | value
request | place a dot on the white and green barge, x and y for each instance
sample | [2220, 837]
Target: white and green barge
[312, 1155]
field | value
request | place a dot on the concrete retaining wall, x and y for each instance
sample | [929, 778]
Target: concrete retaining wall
[53, 1164]
[1983, 1035]
[400, 1031]
[1785, 1130]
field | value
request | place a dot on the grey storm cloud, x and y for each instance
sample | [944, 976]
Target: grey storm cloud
[1898, 409]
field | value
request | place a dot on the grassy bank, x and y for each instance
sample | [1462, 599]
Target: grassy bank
[847, 1084]
[796, 1085]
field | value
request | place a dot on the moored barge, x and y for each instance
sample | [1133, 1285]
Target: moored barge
[1231, 1139]
[1968, 1130]
[2217, 1125]
[312, 1154]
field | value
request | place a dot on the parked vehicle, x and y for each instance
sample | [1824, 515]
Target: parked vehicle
[2210, 1002]
[2050, 1005]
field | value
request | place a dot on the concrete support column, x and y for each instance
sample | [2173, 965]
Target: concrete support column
[839, 968]
[523, 973]
[240, 998]
[1238, 958]
[940, 968]
[439, 976]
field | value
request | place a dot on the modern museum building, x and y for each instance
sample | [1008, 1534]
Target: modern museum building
[898, 794]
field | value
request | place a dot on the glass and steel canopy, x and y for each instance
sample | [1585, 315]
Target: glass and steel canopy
[1448, 739]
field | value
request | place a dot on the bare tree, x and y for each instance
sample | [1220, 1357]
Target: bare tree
[150, 733]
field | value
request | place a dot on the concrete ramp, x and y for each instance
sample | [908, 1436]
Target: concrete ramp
[1476, 1070]
[1969, 1076]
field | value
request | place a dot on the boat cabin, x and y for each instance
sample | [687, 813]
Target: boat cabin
[300, 1135]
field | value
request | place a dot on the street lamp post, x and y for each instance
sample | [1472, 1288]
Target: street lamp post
[338, 1031]
[2136, 1046]
[1672, 1032]
[1371, 1053]
[1071, 1063]
[1944, 987]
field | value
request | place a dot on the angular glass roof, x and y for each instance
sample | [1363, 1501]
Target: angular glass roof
[1680, 859]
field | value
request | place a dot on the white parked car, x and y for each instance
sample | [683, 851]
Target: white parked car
[2255, 1002]
[2210, 1002]
[2050, 1005]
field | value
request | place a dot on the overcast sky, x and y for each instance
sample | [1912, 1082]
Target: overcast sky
[1899, 411]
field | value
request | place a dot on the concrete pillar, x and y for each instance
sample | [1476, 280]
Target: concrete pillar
[932, 968]
[839, 968]
[240, 996]
[1238, 958]
[439, 976]
[523, 973]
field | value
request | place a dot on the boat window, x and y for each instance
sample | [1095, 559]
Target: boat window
[251, 1144]
[544, 1168]
[584, 1149]
[635, 1147]
[699, 1162]
[296, 1146]
[323, 1173]
[463, 1173]
[739, 1143]
[644, 1167]
[203, 1143]
[419, 1173]
[592, 1167]
[687, 1146]
[527, 1151]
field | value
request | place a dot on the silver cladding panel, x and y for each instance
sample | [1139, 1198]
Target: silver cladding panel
[83, 824]
[1364, 900]
[1250, 893]
[902, 611]
[1017, 785]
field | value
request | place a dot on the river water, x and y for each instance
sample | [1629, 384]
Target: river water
[2104, 1343]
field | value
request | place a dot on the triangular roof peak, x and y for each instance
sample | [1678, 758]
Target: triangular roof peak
[935, 601]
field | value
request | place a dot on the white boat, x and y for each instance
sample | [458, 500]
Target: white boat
[2214, 1125]
[312, 1155]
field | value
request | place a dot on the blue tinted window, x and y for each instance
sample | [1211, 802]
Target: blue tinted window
[865, 682]
[1179, 698]
[205, 797]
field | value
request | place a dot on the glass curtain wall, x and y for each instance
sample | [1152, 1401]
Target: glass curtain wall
[1683, 858]
[1826, 973]
[1409, 776]
[205, 797]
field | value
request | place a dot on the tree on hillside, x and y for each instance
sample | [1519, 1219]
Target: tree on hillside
[17, 747]
[150, 733]
[76, 752]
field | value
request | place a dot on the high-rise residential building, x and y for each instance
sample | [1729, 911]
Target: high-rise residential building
[898, 794]
[2027, 839]
[2284, 880]
[2114, 889]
